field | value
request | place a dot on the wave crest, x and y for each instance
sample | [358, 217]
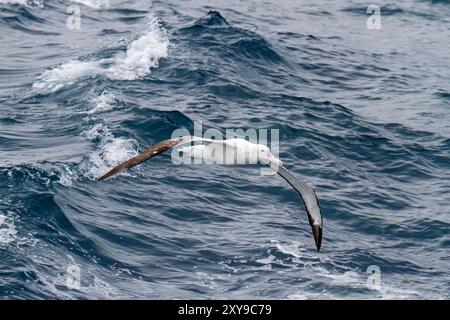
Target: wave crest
[110, 153]
[140, 57]
[7, 229]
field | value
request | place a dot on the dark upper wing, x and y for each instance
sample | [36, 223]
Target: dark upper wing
[153, 151]
[310, 200]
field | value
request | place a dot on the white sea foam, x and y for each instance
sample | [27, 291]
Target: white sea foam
[103, 102]
[356, 280]
[296, 250]
[28, 3]
[110, 152]
[140, 57]
[289, 249]
[22, 2]
[65, 75]
[389, 288]
[64, 284]
[96, 4]
[66, 176]
[8, 230]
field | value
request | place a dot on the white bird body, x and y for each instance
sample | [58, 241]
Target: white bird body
[228, 152]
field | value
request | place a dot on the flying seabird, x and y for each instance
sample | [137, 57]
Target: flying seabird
[234, 151]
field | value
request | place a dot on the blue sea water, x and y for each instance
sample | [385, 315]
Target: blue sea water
[363, 116]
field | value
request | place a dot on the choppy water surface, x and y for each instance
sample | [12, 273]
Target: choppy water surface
[363, 115]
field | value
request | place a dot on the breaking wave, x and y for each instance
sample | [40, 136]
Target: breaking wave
[140, 56]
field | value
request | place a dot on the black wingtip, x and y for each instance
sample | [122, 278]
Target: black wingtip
[317, 233]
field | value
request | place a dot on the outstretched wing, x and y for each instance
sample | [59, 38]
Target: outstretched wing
[150, 153]
[311, 203]
[154, 151]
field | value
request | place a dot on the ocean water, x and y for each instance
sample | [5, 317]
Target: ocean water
[363, 116]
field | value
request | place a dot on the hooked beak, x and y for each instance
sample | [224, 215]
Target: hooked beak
[274, 163]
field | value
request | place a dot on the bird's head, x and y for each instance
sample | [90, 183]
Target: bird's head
[266, 157]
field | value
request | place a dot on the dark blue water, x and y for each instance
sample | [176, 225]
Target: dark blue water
[363, 116]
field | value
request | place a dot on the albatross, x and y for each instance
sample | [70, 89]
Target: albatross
[233, 151]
